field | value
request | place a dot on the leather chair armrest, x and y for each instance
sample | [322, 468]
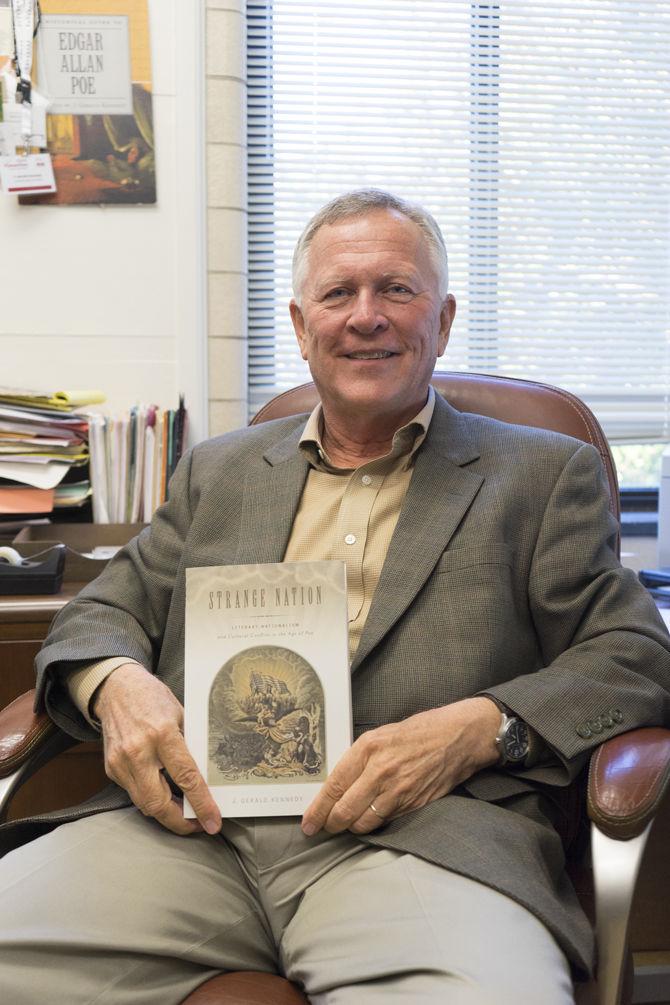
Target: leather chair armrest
[628, 778]
[22, 733]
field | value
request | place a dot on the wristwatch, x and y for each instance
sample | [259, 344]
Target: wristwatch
[516, 742]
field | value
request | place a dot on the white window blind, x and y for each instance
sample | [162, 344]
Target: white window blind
[537, 134]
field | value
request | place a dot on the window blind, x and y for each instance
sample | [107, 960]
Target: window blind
[539, 137]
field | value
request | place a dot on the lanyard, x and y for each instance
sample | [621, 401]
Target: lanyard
[25, 29]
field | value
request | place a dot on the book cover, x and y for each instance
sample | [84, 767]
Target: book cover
[267, 692]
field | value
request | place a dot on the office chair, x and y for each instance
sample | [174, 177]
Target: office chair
[628, 776]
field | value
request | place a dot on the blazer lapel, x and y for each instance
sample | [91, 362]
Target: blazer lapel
[271, 497]
[439, 495]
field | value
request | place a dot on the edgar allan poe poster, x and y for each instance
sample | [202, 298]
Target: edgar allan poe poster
[267, 692]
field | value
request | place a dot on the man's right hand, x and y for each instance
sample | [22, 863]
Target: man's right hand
[142, 729]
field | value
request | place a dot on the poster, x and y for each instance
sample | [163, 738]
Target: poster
[93, 61]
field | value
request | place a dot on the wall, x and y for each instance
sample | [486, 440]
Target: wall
[115, 296]
[226, 214]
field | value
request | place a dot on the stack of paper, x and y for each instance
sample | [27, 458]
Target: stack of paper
[72, 495]
[53, 458]
[132, 459]
[57, 401]
[43, 451]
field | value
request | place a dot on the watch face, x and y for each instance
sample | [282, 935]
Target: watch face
[516, 740]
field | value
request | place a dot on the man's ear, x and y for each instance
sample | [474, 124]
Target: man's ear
[447, 315]
[298, 327]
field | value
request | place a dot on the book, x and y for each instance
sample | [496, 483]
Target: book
[129, 461]
[267, 692]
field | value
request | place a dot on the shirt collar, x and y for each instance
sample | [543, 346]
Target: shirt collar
[406, 440]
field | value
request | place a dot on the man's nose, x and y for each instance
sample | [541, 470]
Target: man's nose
[367, 315]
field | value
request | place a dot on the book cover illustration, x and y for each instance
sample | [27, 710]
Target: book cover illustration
[266, 719]
[267, 689]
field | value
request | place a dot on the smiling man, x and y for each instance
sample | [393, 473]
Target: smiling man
[489, 619]
[372, 316]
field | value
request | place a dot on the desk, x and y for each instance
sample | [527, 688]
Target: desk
[76, 774]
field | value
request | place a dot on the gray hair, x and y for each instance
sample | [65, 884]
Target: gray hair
[360, 202]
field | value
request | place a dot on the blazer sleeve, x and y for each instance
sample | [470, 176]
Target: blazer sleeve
[606, 651]
[122, 613]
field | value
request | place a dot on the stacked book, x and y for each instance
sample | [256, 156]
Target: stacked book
[133, 457]
[43, 452]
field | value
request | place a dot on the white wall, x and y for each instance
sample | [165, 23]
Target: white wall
[115, 297]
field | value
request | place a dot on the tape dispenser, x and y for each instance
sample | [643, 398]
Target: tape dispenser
[23, 576]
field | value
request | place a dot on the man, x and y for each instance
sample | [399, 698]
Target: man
[484, 594]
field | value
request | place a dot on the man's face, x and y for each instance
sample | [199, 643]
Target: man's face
[372, 323]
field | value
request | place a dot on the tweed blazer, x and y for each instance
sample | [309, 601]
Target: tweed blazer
[501, 578]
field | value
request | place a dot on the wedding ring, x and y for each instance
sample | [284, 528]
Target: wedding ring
[376, 811]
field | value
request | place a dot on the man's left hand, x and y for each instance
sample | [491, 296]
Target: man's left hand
[405, 765]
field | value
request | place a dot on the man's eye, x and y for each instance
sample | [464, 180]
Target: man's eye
[398, 290]
[337, 293]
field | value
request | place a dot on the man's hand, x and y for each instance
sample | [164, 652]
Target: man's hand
[142, 725]
[405, 765]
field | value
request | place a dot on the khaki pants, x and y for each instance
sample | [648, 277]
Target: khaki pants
[115, 910]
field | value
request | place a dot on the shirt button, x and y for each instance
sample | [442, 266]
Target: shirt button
[350, 539]
[366, 480]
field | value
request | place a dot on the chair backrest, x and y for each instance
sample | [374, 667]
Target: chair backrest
[521, 401]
